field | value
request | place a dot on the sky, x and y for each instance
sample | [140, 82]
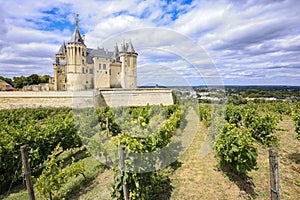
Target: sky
[195, 42]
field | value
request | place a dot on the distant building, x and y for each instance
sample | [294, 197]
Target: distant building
[78, 67]
[4, 86]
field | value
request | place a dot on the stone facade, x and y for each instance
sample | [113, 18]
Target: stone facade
[78, 67]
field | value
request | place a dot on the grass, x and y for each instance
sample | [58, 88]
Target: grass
[289, 160]
[98, 188]
[93, 168]
[198, 177]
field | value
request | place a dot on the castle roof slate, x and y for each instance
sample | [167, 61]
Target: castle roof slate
[62, 49]
[99, 52]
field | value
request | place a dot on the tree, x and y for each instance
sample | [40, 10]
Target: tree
[19, 82]
[33, 79]
[44, 79]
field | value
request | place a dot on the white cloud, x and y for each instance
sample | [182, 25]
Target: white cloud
[250, 42]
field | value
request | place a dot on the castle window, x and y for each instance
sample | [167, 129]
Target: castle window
[99, 66]
[83, 62]
[83, 70]
[91, 71]
[104, 66]
[82, 53]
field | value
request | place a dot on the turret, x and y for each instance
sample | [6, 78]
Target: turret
[60, 57]
[128, 57]
[59, 67]
[76, 58]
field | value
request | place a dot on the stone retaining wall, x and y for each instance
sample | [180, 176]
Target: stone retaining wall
[112, 98]
[139, 97]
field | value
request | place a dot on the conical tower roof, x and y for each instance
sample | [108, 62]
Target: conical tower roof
[130, 48]
[76, 37]
[116, 55]
[62, 50]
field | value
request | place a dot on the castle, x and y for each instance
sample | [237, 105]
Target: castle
[78, 67]
[85, 77]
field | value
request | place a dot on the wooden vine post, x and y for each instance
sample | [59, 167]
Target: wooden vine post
[121, 166]
[274, 174]
[106, 125]
[27, 172]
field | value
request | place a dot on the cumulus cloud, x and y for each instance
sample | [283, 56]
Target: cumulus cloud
[245, 42]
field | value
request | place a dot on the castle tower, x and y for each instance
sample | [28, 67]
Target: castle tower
[59, 67]
[128, 57]
[76, 59]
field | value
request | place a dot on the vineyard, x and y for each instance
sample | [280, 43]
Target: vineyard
[237, 142]
[41, 130]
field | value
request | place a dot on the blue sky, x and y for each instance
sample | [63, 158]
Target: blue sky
[246, 42]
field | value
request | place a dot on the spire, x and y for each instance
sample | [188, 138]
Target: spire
[62, 50]
[123, 47]
[76, 37]
[116, 53]
[130, 48]
[127, 47]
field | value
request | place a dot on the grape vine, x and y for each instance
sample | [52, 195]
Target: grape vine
[55, 175]
[41, 129]
[244, 125]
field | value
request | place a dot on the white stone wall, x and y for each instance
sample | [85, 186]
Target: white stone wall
[90, 98]
[22, 99]
[137, 97]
